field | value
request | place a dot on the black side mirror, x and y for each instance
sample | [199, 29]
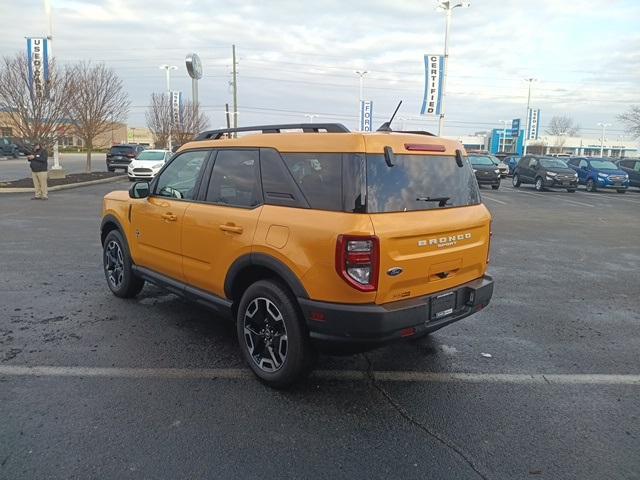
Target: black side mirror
[388, 156]
[139, 190]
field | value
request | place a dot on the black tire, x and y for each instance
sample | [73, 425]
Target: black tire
[621, 191]
[539, 185]
[495, 187]
[116, 261]
[265, 334]
[111, 169]
[571, 190]
[516, 180]
[591, 186]
[132, 179]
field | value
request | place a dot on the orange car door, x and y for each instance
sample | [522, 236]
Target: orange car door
[158, 219]
[220, 229]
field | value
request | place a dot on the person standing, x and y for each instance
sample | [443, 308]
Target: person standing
[38, 161]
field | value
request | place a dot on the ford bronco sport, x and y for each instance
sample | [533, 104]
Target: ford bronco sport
[308, 236]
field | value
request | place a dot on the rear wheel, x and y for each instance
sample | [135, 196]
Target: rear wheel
[539, 184]
[495, 187]
[591, 185]
[111, 169]
[621, 191]
[516, 180]
[272, 336]
[571, 190]
[117, 264]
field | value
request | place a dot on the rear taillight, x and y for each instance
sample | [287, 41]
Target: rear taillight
[357, 261]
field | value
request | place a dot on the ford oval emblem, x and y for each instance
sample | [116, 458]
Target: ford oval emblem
[394, 272]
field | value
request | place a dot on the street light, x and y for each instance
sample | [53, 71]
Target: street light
[361, 74]
[167, 69]
[447, 7]
[504, 135]
[526, 130]
[604, 127]
[311, 116]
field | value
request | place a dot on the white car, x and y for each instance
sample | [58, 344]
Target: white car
[147, 164]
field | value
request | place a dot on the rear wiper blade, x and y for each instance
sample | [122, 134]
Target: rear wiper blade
[442, 201]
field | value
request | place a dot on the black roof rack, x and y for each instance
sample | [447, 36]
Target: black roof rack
[305, 127]
[416, 132]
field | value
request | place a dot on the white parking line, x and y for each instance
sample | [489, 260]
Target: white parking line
[494, 199]
[384, 376]
[577, 203]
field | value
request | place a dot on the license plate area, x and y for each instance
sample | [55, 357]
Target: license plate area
[443, 305]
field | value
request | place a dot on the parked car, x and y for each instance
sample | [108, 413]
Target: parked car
[512, 162]
[630, 166]
[273, 230]
[502, 166]
[120, 156]
[545, 172]
[147, 164]
[8, 148]
[598, 172]
[486, 171]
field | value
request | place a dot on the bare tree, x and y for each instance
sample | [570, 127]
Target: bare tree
[37, 115]
[632, 119]
[98, 103]
[158, 118]
[192, 122]
[562, 125]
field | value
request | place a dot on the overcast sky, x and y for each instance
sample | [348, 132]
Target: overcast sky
[298, 57]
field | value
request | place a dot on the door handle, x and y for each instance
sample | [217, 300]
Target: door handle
[231, 228]
[169, 217]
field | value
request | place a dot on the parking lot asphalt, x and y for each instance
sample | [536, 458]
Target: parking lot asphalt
[155, 387]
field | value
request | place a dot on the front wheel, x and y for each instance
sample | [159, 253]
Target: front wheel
[495, 187]
[571, 190]
[111, 169]
[539, 184]
[591, 185]
[117, 267]
[516, 180]
[621, 191]
[271, 334]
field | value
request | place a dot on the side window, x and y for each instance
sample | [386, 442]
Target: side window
[179, 179]
[234, 180]
[583, 163]
[637, 166]
[533, 163]
[278, 186]
[319, 177]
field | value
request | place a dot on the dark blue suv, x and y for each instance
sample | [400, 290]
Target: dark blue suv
[598, 173]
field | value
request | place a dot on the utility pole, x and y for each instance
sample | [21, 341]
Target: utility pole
[235, 89]
[447, 7]
[504, 136]
[604, 127]
[526, 129]
[360, 74]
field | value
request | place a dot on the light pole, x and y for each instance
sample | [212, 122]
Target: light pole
[57, 172]
[504, 135]
[526, 128]
[604, 127]
[447, 7]
[167, 69]
[311, 116]
[360, 74]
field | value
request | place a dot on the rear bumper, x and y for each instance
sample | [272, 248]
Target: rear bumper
[366, 326]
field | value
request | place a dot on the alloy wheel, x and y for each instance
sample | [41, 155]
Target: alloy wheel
[114, 264]
[265, 334]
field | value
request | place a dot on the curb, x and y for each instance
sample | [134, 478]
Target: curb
[65, 187]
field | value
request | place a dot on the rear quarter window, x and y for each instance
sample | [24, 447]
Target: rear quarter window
[319, 177]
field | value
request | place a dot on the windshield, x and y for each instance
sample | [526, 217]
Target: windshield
[480, 160]
[151, 155]
[553, 163]
[603, 165]
[419, 182]
[121, 150]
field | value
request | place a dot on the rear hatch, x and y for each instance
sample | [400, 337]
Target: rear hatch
[433, 230]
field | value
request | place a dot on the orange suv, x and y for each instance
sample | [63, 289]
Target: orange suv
[308, 236]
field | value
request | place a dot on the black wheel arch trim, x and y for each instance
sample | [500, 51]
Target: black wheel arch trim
[112, 219]
[268, 262]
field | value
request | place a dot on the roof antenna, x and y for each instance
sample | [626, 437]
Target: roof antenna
[386, 126]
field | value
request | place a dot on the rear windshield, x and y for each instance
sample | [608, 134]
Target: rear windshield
[121, 149]
[151, 156]
[419, 182]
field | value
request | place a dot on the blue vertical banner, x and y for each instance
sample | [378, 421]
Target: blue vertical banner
[38, 62]
[366, 115]
[433, 80]
[176, 107]
[515, 127]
